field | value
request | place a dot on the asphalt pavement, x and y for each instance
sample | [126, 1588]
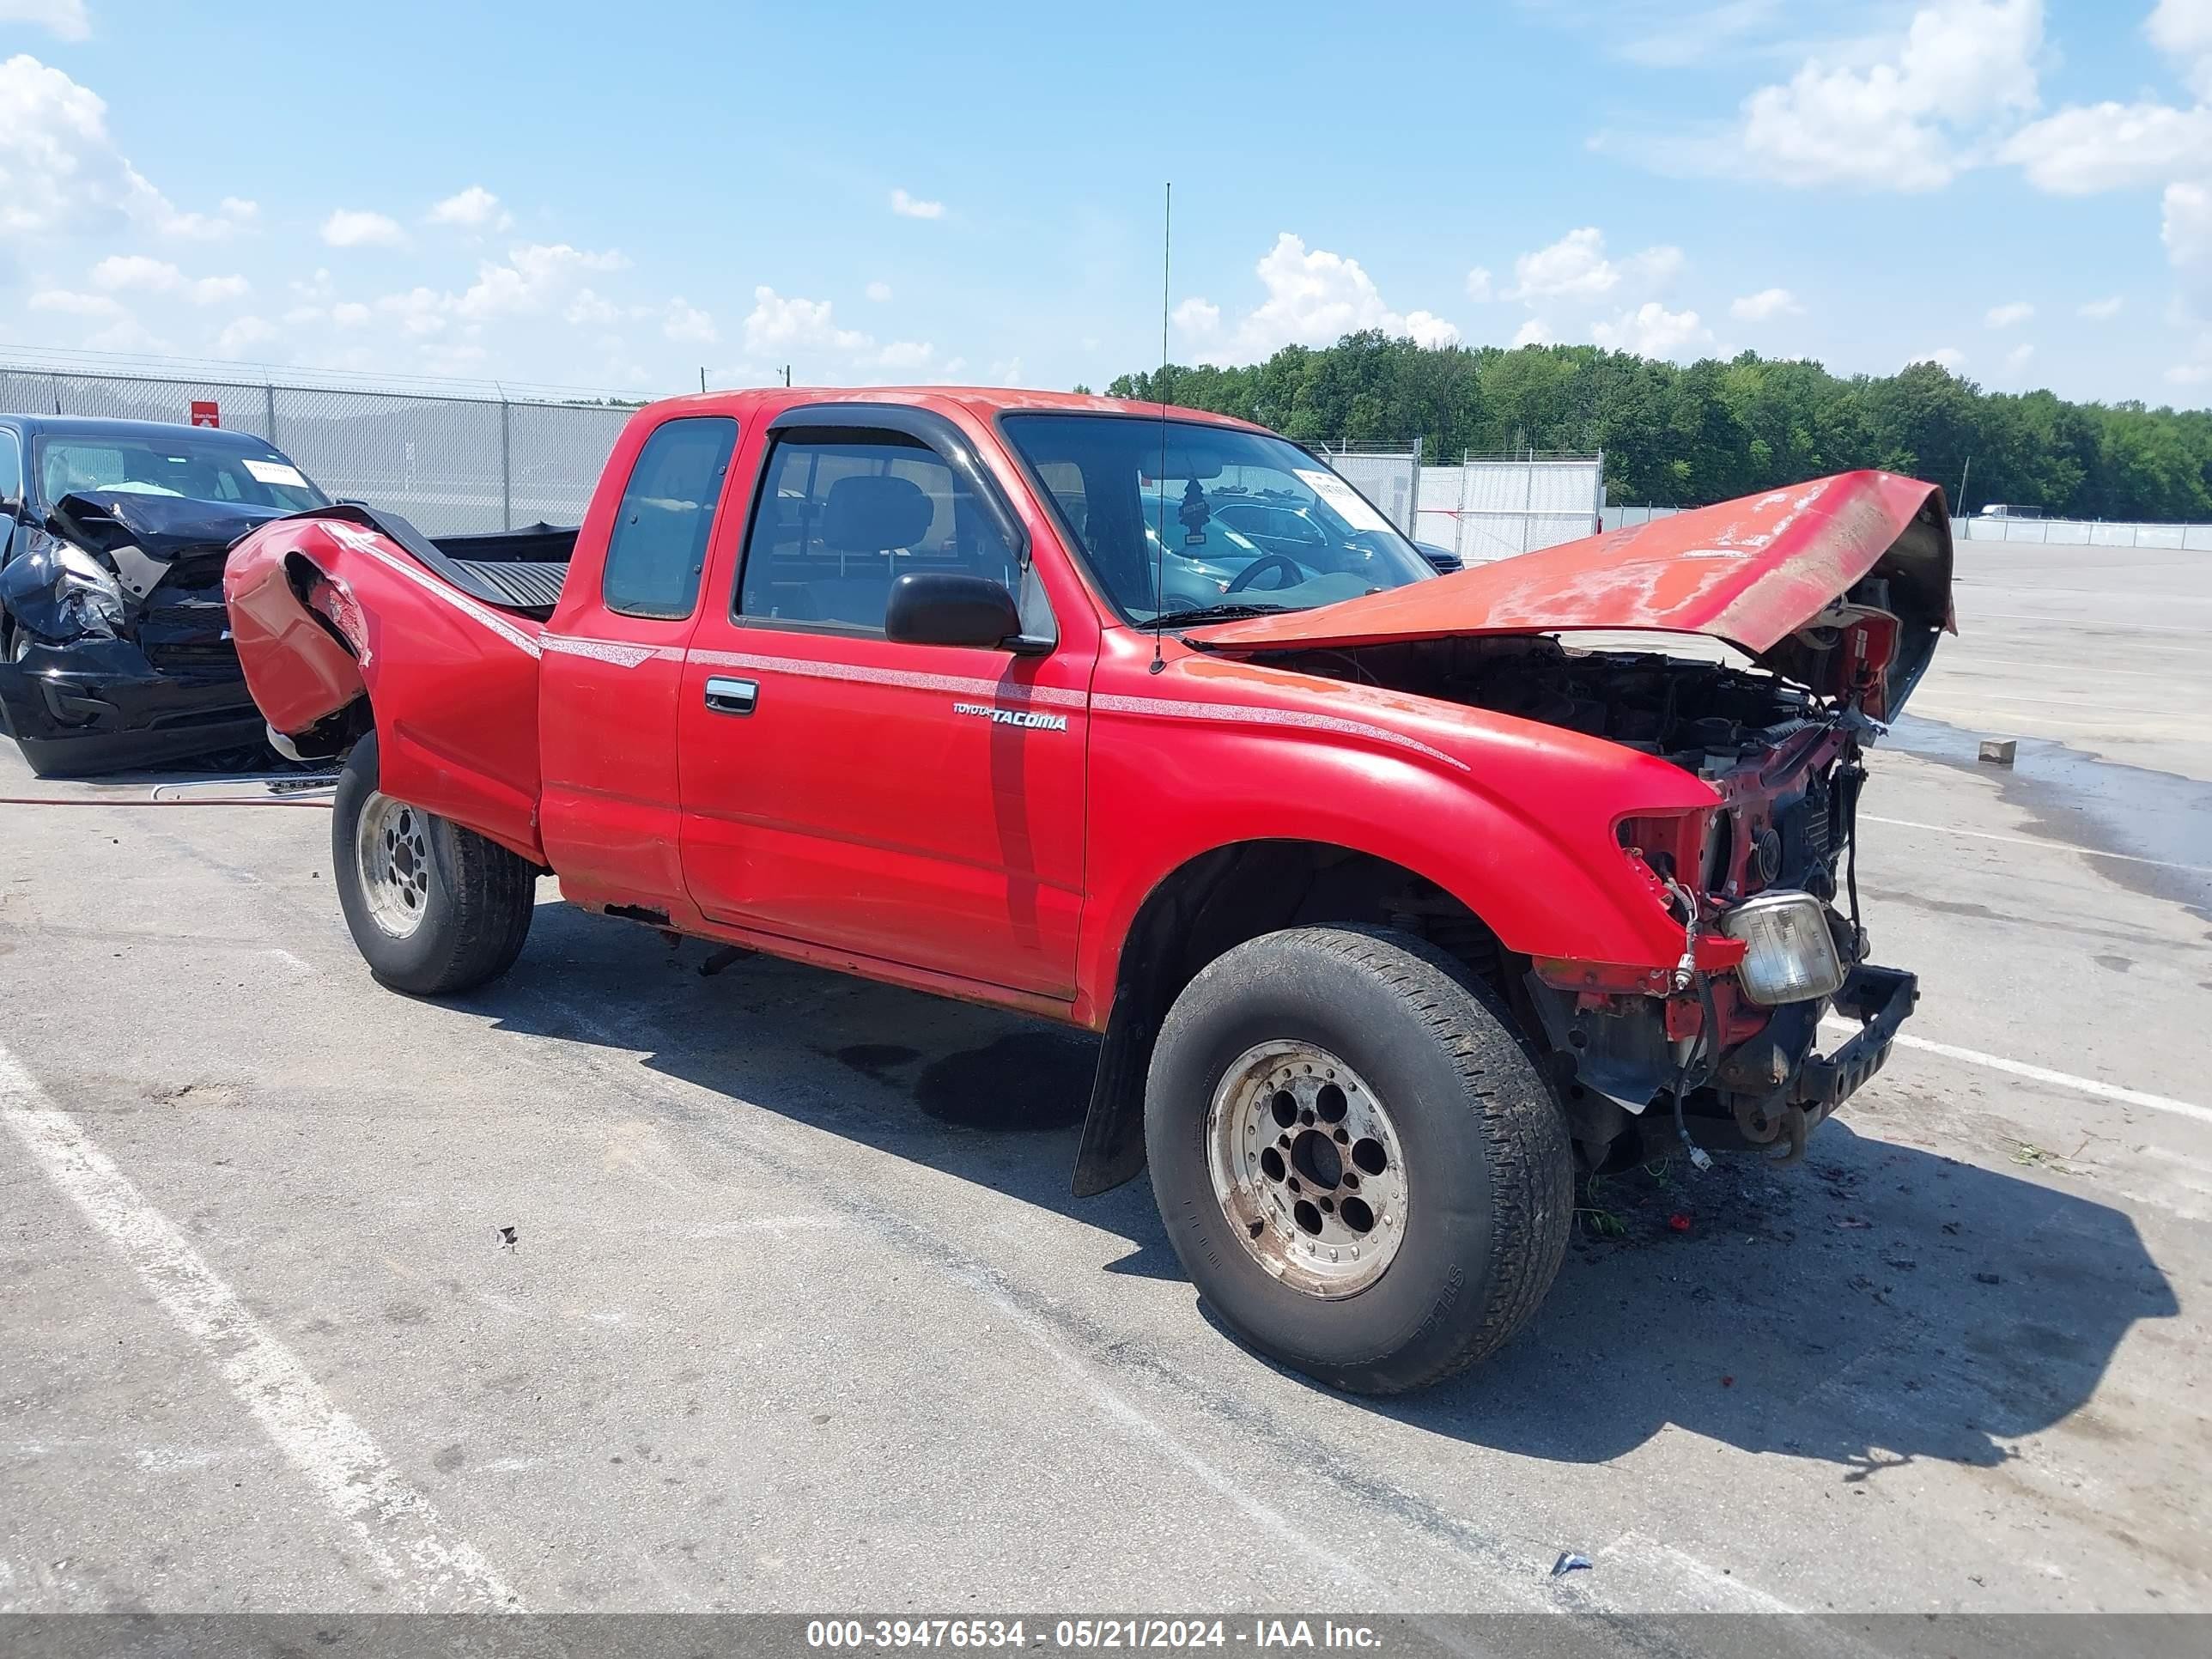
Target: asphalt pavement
[617, 1286]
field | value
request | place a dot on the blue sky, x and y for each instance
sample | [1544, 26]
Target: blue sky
[610, 196]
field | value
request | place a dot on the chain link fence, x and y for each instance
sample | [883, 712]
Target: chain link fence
[453, 464]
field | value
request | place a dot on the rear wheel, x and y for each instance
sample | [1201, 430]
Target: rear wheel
[433, 908]
[1359, 1166]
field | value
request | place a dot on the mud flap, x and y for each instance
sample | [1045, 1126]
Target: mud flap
[1112, 1151]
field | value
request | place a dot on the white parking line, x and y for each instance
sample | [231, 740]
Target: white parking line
[2087, 1085]
[2047, 846]
[422, 1557]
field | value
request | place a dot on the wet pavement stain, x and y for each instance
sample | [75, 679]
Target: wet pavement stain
[2084, 800]
[1024, 1080]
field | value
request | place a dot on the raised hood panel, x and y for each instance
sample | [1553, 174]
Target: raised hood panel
[1774, 575]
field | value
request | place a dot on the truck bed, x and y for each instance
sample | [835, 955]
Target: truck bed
[520, 570]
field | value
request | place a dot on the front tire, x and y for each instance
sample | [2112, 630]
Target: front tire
[1358, 1165]
[434, 907]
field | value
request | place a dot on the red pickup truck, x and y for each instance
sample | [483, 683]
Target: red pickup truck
[1396, 894]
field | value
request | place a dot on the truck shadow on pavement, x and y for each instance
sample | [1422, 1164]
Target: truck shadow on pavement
[1877, 1305]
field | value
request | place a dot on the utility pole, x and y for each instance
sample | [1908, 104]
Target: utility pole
[786, 373]
[1964, 473]
[703, 377]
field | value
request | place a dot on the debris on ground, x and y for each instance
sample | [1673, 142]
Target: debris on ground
[1567, 1563]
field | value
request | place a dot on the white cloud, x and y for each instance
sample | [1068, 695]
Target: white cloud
[878, 292]
[2085, 147]
[1426, 328]
[358, 228]
[1575, 267]
[2098, 310]
[1534, 331]
[1949, 357]
[906, 354]
[911, 207]
[121, 272]
[2182, 29]
[587, 306]
[777, 324]
[1767, 303]
[65, 20]
[232, 214]
[536, 277]
[1197, 318]
[101, 305]
[243, 334]
[1314, 298]
[2007, 316]
[1652, 331]
[349, 314]
[2186, 230]
[1478, 284]
[420, 311]
[1905, 117]
[2017, 359]
[686, 323]
[473, 209]
[59, 168]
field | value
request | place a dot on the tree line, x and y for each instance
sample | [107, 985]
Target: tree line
[1676, 436]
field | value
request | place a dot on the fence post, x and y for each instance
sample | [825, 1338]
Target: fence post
[506, 469]
[1528, 498]
[269, 392]
[1413, 495]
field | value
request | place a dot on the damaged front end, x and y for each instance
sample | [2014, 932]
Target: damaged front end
[116, 644]
[1837, 591]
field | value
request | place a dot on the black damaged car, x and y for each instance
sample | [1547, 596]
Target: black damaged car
[115, 647]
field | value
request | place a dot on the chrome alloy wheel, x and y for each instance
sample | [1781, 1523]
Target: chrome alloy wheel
[1308, 1168]
[391, 845]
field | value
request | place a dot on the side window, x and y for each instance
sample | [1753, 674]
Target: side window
[841, 517]
[11, 467]
[658, 546]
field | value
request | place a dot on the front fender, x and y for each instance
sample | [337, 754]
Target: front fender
[1514, 819]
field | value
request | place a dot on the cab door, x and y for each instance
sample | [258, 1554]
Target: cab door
[912, 803]
[613, 658]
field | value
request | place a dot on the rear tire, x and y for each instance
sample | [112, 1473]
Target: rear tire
[433, 908]
[1299, 1060]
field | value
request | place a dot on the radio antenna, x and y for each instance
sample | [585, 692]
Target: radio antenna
[1160, 478]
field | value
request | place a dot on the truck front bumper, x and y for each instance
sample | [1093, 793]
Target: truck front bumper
[100, 705]
[1880, 999]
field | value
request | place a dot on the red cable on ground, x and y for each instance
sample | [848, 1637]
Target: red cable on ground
[220, 800]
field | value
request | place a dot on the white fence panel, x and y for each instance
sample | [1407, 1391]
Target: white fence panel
[1488, 509]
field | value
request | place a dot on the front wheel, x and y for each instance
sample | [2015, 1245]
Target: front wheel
[1358, 1165]
[434, 907]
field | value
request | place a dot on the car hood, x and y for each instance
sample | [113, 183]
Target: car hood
[1783, 577]
[142, 536]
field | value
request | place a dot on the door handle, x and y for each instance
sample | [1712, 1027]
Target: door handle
[729, 696]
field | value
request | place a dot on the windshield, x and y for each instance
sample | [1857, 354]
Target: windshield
[1239, 523]
[179, 466]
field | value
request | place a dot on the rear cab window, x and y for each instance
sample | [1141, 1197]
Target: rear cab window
[658, 549]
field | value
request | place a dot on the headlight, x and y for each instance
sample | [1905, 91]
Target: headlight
[89, 588]
[1789, 956]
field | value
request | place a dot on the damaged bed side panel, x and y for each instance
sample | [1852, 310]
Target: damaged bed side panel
[322, 606]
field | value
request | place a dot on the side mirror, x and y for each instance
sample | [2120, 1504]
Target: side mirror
[948, 607]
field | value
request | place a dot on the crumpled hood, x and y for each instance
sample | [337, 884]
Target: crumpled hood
[1780, 576]
[143, 534]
